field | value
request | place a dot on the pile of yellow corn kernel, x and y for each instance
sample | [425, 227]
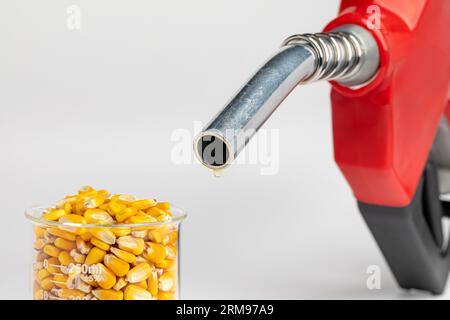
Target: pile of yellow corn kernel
[106, 263]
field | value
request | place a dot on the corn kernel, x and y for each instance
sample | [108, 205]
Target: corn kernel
[68, 293]
[62, 234]
[152, 284]
[60, 280]
[77, 257]
[52, 265]
[82, 286]
[42, 274]
[100, 244]
[144, 218]
[139, 273]
[131, 244]
[163, 205]
[122, 231]
[167, 265]
[171, 251]
[105, 278]
[64, 244]
[143, 204]
[47, 283]
[102, 294]
[94, 202]
[126, 198]
[73, 218]
[155, 252]
[139, 260]
[121, 283]
[51, 250]
[142, 284]
[166, 282]
[126, 213]
[124, 255]
[39, 244]
[83, 246]
[64, 258]
[48, 238]
[156, 212]
[134, 292]
[54, 214]
[160, 234]
[139, 233]
[39, 232]
[98, 216]
[94, 256]
[104, 234]
[86, 236]
[116, 265]
[115, 207]
[166, 296]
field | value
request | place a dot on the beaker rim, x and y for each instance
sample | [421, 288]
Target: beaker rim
[178, 215]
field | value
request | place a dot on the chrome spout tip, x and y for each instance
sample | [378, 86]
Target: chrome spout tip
[213, 150]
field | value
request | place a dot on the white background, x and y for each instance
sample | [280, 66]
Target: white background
[98, 106]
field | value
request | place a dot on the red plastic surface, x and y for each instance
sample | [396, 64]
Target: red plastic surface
[383, 132]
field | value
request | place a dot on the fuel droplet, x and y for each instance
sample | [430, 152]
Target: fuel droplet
[217, 173]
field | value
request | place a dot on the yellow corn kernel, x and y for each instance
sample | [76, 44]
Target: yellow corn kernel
[94, 202]
[73, 218]
[67, 207]
[52, 265]
[42, 274]
[122, 254]
[40, 256]
[134, 292]
[86, 189]
[122, 231]
[126, 213]
[156, 212]
[139, 260]
[86, 236]
[98, 216]
[115, 207]
[100, 244]
[64, 244]
[163, 218]
[39, 232]
[68, 293]
[139, 273]
[171, 251]
[126, 198]
[144, 218]
[167, 265]
[155, 252]
[94, 256]
[116, 265]
[83, 246]
[103, 193]
[81, 285]
[60, 280]
[143, 204]
[104, 277]
[160, 234]
[77, 257]
[52, 251]
[166, 296]
[39, 244]
[104, 234]
[163, 205]
[131, 244]
[39, 294]
[142, 284]
[152, 284]
[139, 233]
[48, 238]
[121, 283]
[102, 294]
[64, 258]
[54, 214]
[62, 234]
[47, 283]
[166, 282]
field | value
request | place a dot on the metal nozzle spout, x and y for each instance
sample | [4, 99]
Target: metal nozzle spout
[350, 55]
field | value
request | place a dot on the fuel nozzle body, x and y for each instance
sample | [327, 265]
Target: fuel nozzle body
[348, 54]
